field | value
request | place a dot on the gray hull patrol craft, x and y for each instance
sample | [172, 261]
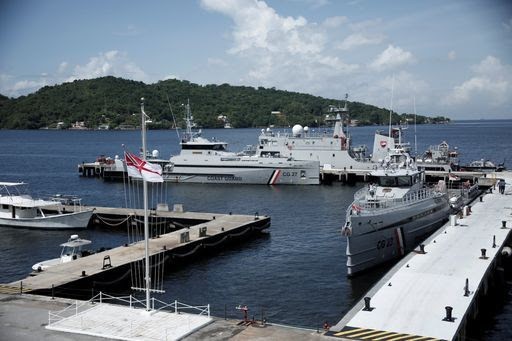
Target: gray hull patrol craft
[207, 161]
[332, 151]
[390, 218]
[22, 211]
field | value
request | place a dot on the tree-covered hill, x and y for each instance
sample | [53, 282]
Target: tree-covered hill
[114, 101]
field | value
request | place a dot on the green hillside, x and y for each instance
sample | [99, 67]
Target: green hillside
[114, 101]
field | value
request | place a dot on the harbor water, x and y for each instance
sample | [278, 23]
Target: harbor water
[295, 274]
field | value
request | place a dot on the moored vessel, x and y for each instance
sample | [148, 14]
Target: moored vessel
[208, 161]
[22, 211]
[390, 218]
[71, 250]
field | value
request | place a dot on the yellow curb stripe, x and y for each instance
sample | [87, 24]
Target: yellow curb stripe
[386, 337]
[401, 337]
[368, 331]
[422, 338]
[375, 335]
[349, 331]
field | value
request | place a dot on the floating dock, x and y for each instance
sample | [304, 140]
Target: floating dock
[435, 291]
[213, 231]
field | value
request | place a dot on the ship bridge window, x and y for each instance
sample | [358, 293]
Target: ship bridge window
[204, 146]
[395, 181]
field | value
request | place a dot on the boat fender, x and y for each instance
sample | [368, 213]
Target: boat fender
[506, 251]
[347, 230]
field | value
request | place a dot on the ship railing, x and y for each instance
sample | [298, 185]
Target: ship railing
[363, 206]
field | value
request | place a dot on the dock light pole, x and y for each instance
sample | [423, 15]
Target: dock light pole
[145, 193]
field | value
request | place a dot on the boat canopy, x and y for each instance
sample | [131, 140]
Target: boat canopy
[24, 201]
[76, 242]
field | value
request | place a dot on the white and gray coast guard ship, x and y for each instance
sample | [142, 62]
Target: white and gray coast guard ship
[331, 151]
[206, 161]
[390, 218]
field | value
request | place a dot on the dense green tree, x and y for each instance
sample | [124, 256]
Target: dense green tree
[114, 101]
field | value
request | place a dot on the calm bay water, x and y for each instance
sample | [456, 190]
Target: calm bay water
[296, 274]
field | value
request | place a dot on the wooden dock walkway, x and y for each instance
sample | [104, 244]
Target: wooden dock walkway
[216, 230]
[432, 295]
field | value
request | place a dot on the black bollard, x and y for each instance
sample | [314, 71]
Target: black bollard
[494, 241]
[466, 288]
[481, 199]
[422, 248]
[448, 317]
[503, 224]
[367, 306]
[483, 256]
[83, 273]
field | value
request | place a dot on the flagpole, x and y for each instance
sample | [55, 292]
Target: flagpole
[145, 189]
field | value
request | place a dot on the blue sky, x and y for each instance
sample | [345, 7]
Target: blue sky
[453, 57]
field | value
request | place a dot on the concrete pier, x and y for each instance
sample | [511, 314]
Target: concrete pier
[433, 294]
[214, 232]
[24, 317]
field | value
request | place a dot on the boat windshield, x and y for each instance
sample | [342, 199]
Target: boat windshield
[395, 181]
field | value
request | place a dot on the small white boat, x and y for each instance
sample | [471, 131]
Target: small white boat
[21, 210]
[71, 250]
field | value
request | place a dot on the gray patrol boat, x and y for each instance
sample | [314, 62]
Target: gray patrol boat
[207, 161]
[332, 151]
[390, 218]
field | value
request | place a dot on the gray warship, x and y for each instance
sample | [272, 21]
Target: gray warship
[390, 218]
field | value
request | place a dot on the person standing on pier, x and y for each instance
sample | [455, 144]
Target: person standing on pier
[501, 186]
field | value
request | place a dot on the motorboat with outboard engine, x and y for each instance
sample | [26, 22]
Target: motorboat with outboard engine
[483, 166]
[21, 210]
[71, 250]
[331, 151]
[207, 161]
[388, 219]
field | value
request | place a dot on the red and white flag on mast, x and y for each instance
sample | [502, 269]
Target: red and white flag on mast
[141, 169]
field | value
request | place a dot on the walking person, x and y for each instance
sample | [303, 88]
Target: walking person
[501, 186]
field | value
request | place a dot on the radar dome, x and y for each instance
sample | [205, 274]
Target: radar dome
[297, 130]
[155, 153]
[306, 129]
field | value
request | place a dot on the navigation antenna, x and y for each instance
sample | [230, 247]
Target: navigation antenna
[415, 142]
[391, 106]
[173, 118]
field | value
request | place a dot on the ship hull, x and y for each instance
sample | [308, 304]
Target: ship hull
[77, 220]
[376, 239]
[264, 175]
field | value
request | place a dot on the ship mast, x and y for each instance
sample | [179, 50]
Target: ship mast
[145, 194]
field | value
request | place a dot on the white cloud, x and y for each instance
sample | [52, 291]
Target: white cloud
[333, 22]
[359, 39]
[365, 25]
[491, 82]
[283, 51]
[452, 55]
[110, 63]
[62, 67]
[507, 26]
[390, 58]
[28, 85]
